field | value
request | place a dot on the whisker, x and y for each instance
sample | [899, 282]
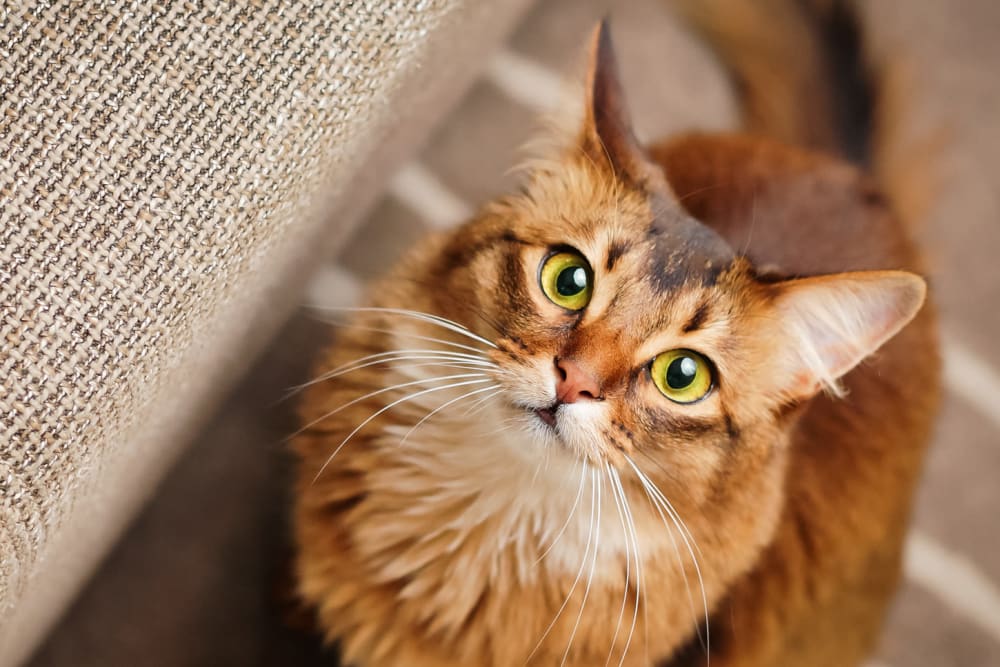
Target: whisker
[497, 431]
[429, 353]
[488, 320]
[443, 406]
[684, 533]
[677, 554]
[569, 517]
[389, 407]
[442, 322]
[672, 476]
[397, 332]
[590, 577]
[383, 390]
[434, 319]
[395, 355]
[681, 525]
[579, 574]
[481, 402]
[438, 362]
[638, 563]
[506, 424]
[628, 563]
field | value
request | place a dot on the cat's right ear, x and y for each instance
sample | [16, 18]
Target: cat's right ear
[828, 324]
[607, 137]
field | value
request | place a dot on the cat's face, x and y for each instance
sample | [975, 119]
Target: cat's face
[624, 328]
[616, 349]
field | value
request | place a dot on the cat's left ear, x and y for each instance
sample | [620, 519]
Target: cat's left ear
[828, 324]
[607, 136]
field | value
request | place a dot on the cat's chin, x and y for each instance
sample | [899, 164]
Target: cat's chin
[570, 427]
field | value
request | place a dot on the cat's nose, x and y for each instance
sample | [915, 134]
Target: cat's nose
[574, 383]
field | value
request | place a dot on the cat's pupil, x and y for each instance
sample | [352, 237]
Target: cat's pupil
[681, 372]
[571, 281]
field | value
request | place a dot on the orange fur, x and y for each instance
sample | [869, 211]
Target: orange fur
[481, 536]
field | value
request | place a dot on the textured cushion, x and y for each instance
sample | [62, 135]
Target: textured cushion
[168, 170]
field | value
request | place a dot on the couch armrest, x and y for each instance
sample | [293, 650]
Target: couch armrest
[168, 174]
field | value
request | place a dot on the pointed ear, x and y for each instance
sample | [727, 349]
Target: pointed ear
[607, 136]
[830, 323]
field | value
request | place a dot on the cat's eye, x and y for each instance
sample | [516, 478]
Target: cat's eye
[682, 376]
[566, 279]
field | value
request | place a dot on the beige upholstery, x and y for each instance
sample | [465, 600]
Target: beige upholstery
[168, 173]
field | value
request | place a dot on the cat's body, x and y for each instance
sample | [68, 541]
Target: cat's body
[503, 530]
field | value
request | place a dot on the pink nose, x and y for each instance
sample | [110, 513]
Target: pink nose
[574, 384]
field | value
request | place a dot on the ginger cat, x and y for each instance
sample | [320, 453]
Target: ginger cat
[603, 423]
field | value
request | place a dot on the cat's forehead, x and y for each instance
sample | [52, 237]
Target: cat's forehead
[638, 303]
[647, 253]
[619, 226]
[673, 250]
[660, 245]
[663, 274]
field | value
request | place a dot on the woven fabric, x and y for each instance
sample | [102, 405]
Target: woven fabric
[166, 167]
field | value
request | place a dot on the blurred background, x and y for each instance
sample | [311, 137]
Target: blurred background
[192, 582]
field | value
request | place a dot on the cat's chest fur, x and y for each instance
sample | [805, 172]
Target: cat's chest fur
[496, 496]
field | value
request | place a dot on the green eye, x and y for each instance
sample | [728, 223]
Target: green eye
[682, 376]
[566, 279]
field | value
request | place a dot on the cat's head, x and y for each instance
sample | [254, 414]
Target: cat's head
[627, 328]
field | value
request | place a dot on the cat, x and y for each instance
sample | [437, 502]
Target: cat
[628, 415]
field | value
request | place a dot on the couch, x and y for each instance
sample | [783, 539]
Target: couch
[169, 171]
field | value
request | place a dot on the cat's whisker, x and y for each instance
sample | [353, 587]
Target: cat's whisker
[672, 476]
[579, 574]
[409, 397]
[443, 406]
[498, 431]
[383, 390]
[538, 468]
[677, 554]
[593, 567]
[477, 311]
[681, 526]
[481, 403]
[456, 365]
[628, 563]
[662, 501]
[437, 362]
[461, 365]
[406, 334]
[442, 322]
[407, 353]
[508, 426]
[396, 355]
[569, 517]
[639, 582]
[445, 359]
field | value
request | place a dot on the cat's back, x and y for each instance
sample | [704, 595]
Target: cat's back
[791, 210]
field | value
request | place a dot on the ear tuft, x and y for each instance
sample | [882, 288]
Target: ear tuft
[831, 323]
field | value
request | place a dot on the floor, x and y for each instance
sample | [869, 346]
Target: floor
[193, 581]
